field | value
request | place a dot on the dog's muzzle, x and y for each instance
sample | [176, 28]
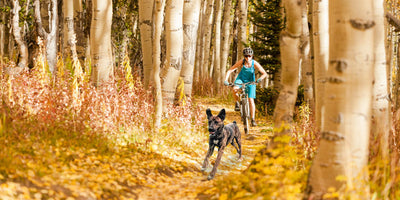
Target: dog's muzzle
[211, 131]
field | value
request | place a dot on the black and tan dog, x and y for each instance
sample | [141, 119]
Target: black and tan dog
[220, 136]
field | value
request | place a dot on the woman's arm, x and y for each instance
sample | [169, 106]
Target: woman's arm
[261, 70]
[233, 68]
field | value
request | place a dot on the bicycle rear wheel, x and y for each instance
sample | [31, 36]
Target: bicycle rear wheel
[245, 115]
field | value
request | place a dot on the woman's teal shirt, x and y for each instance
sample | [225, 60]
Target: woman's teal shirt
[247, 74]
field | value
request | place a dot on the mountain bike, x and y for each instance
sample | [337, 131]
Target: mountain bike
[244, 105]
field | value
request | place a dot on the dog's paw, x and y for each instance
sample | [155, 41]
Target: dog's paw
[240, 159]
[210, 177]
[203, 169]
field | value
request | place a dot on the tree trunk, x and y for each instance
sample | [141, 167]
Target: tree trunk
[191, 11]
[321, 53]
[380, 103]
[23, 49]
[100, 41]
[217, 47]
[199, 44]
[69, 31]
[2, 31]
[343, 147]
[51, 45]
[82, 35]
[145, 21]
[242, 27]
[50, 37]
[174, 48]
[158, 15]
[306, 66]
[290, 57]
[207, 28]
[226, 23]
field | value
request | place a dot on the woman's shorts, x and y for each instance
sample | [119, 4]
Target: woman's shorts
[250, 89]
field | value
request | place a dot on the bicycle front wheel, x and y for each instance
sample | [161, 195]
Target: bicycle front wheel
[245, 115]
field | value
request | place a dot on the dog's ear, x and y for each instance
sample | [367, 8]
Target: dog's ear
[221, 114]
[209, 114]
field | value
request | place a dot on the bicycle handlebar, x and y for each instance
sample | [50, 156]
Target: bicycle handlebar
[243, 84]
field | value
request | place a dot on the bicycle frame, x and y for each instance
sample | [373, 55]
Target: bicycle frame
[244, 105]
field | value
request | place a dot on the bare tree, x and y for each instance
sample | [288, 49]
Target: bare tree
[158, 15]
[50, 37]
[23, 49]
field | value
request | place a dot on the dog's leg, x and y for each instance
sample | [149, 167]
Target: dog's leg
[219, 156]
[239, 142]
[209, 154]
[234, 145]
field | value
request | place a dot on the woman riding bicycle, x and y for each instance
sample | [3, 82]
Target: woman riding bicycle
[247, 74]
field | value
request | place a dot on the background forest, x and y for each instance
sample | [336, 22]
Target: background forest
[106, 99]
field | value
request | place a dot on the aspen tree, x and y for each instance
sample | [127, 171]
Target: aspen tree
[191, 12]
[217, 47]
[225, 43]
[207, 32]
[321, 55]
[380, 104]
[100, 41]
[242, 27]
[50, 37]
[145, 21]
[158, 16]
[343, 146]
[174, 38]
[22, 46]
[290, 58]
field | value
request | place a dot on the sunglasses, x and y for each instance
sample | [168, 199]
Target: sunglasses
[247, 56]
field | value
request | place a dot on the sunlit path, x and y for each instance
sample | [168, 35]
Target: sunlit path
[189, 184]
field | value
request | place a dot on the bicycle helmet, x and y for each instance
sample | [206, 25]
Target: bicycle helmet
[247, 51]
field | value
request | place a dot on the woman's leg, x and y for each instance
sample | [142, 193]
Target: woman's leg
[252, 112]
[252, 108]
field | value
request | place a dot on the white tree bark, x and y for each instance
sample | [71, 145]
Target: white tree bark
[199, 44]
[321, 55]
[306, 66]
[23, 49]
[51, 36]
[242, 27]
[380, 103]
[207, 31]
[174, 38]
[191, 12]
[158, 16]
[343, 148]
[69, 30]
[225, 44]
[217, 47]
[2, 31]
[290, 58]
[100, 41]
[145, 21]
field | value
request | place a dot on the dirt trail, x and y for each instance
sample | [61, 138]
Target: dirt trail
[189, 184]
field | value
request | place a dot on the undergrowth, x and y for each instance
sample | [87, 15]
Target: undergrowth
[58, 134]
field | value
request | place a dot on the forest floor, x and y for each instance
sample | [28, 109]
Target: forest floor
[64, 166]
[192, 183]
